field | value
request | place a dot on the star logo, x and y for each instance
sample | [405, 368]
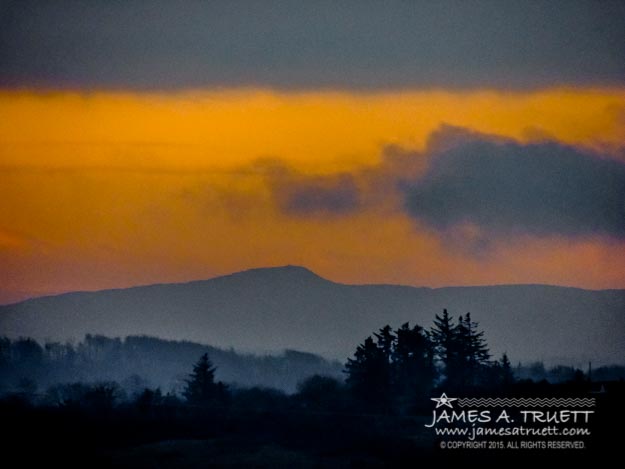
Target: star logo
[444, 401]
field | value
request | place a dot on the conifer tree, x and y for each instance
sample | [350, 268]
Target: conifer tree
[413, 365]
[444, 336]
[201, 388]
[507, 376]
[369, 375]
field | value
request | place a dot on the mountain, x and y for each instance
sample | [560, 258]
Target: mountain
[291, 307]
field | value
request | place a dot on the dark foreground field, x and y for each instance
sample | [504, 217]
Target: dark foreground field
[187, 437]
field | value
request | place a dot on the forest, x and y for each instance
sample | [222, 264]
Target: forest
[137, 362]
[117, 398]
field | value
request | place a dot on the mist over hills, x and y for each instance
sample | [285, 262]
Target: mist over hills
[271, 309]
[138, 362]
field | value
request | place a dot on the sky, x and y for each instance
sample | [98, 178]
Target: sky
[420, 143]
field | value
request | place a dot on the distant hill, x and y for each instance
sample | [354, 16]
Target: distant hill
[139, 361]
[291, 307]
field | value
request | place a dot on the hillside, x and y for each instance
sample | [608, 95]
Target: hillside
[291, 307]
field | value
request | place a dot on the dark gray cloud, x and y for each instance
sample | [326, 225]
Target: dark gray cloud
[298, 194]
[166, 44]
[503, 187]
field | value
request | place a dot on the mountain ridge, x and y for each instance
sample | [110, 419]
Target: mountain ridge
[314, 275]
[284, 307]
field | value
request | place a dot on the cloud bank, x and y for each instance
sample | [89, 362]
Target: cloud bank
[487, 186]
[167, 44]
[505, 188]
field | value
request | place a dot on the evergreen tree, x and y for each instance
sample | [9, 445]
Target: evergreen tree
[473, 355]
[444, 336]
[460, 349]
[201, 388]
[413, 366]
[369, 375]
[476, 347]
[398, 368]
[507, 376]
[386, 342]
[393, 370]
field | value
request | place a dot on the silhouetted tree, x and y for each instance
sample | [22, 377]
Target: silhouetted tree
[413, 365]
[5, 351]
[148, 400]
[609, 373]
[477, 349]
[369, 376]
[473, 355]
[103, 396]
[201, 388]
[579, 376]
[535, 371]
[320, 392]
[28, 352]
[392, 371]
[446, 348]
[461, 351]
[5, 364]
[386, 342]
[66, 395]
[99, 397]
[507, 376]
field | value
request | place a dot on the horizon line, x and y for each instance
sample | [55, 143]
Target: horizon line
[296, 266]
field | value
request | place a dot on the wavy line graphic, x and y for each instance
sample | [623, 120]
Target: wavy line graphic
[526, 402]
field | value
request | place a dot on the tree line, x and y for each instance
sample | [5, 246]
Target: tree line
[136, 362]
[398, 369]
[393, 371]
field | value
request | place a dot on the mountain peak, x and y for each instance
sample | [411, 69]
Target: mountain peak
[291, 269]
[285, 272]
